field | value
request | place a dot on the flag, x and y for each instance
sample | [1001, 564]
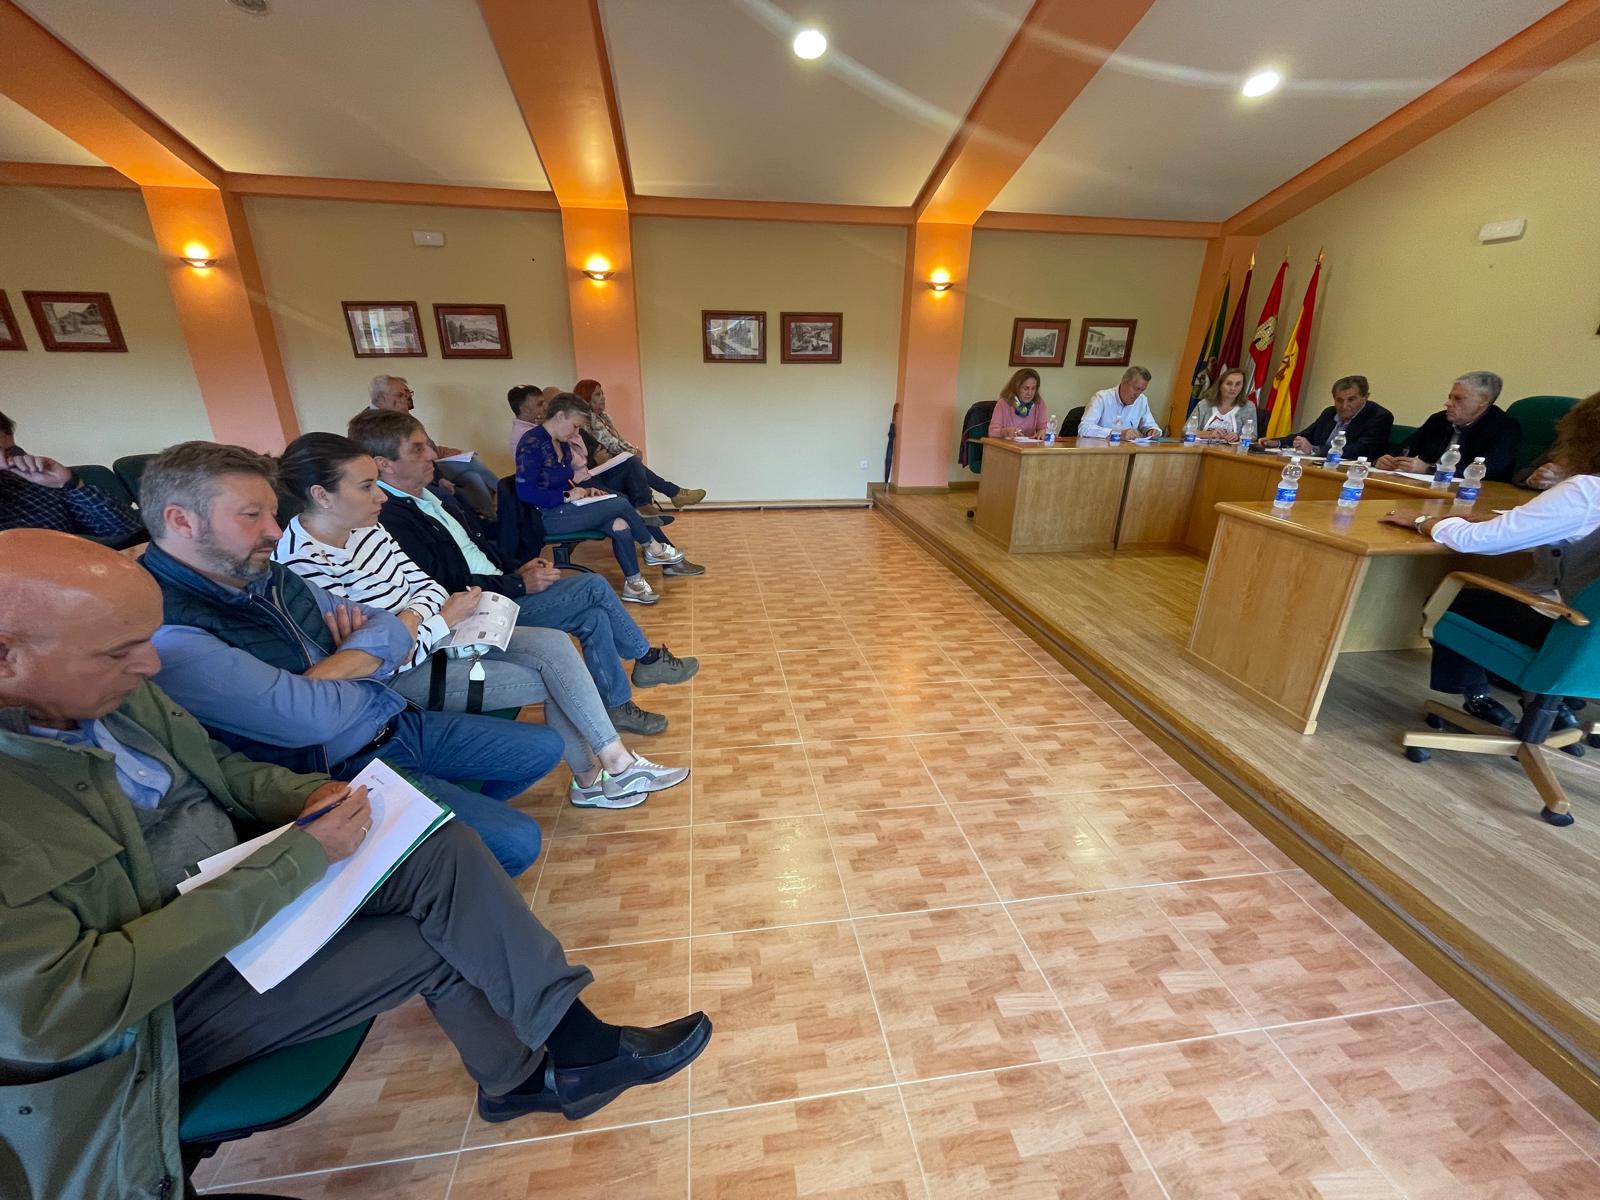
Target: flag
[1206, 363]
[1260, 354]
[1232, 352]
[1292, 370]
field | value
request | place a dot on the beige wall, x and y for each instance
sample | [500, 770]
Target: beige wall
[1411, 299]
[1151, 280]
[83, 407]
[315, 254]
[768, 431]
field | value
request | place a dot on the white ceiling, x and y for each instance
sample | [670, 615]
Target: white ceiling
[406, 90]
[1162, 131]
[25, 138]
[715, 103]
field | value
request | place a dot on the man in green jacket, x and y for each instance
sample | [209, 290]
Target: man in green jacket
[114, 988]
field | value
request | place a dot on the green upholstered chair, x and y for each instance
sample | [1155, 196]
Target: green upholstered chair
[562, 544]
[1398, 436]
[1538, 416]
[1567, 664]
[130, 469]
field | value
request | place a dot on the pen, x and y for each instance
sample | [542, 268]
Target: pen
[302, 822]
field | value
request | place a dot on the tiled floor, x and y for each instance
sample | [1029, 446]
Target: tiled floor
[962, 933]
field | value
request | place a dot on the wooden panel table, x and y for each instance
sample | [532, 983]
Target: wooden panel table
[1044, 499]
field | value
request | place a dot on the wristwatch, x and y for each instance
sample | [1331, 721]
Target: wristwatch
[1420, 522]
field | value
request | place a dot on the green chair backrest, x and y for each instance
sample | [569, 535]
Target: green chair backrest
[1398, 436]
[1538, 416]
[130, 469]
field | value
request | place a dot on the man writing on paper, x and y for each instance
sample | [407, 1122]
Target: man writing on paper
[114, 989]
[1124, 404]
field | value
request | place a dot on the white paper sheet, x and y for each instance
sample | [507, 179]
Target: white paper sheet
[401, 818]
[591, 500]
[611, 462]
[491, 623]
[464, 456]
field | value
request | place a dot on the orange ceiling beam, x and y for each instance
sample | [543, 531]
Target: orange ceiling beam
[382, 192]
[46, 77]
[63, 175]
[1102, 226]
[554, 56]
[1059, 48]
[1552, 39]
[769, 210]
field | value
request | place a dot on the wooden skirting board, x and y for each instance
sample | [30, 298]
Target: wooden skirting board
[1281, 783]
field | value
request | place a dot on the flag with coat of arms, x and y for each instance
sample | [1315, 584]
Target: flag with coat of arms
[1291, 371]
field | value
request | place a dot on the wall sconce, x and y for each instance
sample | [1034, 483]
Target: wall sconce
[198, 256]
[940, 281]
[598, 268]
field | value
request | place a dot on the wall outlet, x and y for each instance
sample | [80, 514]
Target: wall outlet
[863, 464]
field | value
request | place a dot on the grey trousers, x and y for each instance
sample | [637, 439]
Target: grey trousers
[448, 925]
[538, 666]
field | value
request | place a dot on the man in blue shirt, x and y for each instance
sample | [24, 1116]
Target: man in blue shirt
[283, 671]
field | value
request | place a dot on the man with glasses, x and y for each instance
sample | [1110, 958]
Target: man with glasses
[475, 482]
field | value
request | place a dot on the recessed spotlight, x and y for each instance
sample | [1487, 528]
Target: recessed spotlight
[1261, 83]
[809, 43]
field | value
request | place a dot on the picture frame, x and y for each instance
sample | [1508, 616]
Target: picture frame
[10, 331]
[1105, 342]
[731, 336]
[76, 322]
[384, 329]
[811, 337]
[1039, 341]
[472, 330]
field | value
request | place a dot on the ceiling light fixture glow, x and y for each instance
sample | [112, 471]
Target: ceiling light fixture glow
[809, 43]
[1261, 83]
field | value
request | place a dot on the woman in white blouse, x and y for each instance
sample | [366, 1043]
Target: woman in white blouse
[337, 544]
[1219, 412]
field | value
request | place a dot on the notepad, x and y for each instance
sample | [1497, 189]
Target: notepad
[464, 456]
[591, 499]
[611, 462]
[401, 818]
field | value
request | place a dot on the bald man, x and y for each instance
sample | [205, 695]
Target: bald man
[114, 988]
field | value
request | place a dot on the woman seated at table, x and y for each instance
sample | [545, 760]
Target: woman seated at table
[1020, 410]
[1219, 413]
[337, 544]
[1562, 528]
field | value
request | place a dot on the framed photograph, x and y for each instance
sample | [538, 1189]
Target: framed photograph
[1105, 342]
[76, 321]
[811, 337]
[1039, 342]
[384, 329]
[733, 337]
[472, 330]
[10, 331]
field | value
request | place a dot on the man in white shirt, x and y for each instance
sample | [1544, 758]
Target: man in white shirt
[1125, 403]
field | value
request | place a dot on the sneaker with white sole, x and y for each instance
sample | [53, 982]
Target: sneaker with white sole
[602, 794]
[642, 775]
[640, 592]
[673, 555]
[683, 567]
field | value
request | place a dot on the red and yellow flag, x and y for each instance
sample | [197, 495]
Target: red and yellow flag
[1260, 349]
[1292, 370]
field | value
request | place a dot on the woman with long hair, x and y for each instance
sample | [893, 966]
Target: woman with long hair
[642, 482]
[337, 544]
[1219, 413]
[1019, 410]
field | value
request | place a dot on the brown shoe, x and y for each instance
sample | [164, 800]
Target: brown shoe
[684, 497]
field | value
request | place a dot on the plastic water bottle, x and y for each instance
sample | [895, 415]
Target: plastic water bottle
[1115, 437]
[1288, 483]
[1471, 482]
[1050, 433]
[1336, 449]
[1445, 471]
[1191, 430]
[1247, 431]
[1355, 482]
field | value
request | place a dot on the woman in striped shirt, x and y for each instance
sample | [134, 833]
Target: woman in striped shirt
[337, 544]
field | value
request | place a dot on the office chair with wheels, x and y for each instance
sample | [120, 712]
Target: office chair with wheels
[1566, 665]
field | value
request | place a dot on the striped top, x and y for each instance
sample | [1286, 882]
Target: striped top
[370, 569]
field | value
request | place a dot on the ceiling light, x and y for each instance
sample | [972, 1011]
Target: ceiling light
[1261, 83]
[809, 43]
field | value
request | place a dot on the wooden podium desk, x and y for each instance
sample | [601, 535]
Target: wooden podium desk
[1285, 594]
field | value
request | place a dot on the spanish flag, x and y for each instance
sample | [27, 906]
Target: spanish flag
[1292, 369]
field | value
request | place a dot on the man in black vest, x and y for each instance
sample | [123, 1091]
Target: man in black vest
[1366, 424]
[286, 673]
[1472, 422]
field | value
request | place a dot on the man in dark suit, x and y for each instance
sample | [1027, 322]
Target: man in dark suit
[1473, 422]
[1366, 423]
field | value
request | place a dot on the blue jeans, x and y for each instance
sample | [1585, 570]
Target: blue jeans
[587, 608]
[599, 517]
[635, 481]
[440, 751]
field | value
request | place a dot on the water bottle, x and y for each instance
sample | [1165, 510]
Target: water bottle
[1191, 430]
[1445, 471]
[1288, 483]
[1336, 449]
[1247, 431]
[1355, 481]
[1116, 432]
[1471, 481]
[1050, 433]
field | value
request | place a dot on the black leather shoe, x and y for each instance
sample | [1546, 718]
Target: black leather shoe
[1487, 708]
[537, 1093]
[645, 1056]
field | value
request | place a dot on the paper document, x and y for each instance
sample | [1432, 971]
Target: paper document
[1422, 476]
[1028, 441]
[491, 623]
[401, 818]
[591, 499]
[612, 462]
[464, 456]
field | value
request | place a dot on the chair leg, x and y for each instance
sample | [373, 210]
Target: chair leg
[1454, 716]
[561, 555]
[1557, 809]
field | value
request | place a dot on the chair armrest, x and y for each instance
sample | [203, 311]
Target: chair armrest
[1452, 584]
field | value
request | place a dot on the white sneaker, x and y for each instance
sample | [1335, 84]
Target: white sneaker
[640, 592]
[673, 555]
[601, 794]
[642, 775]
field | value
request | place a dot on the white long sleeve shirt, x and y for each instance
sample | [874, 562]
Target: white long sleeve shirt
[1566, 514]
[1106, 406]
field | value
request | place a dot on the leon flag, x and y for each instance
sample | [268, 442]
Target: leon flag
[1292, 370]
[1206, 363]
[1260, 353]
[1232, 352]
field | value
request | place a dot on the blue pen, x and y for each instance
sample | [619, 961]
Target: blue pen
[302, 822]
